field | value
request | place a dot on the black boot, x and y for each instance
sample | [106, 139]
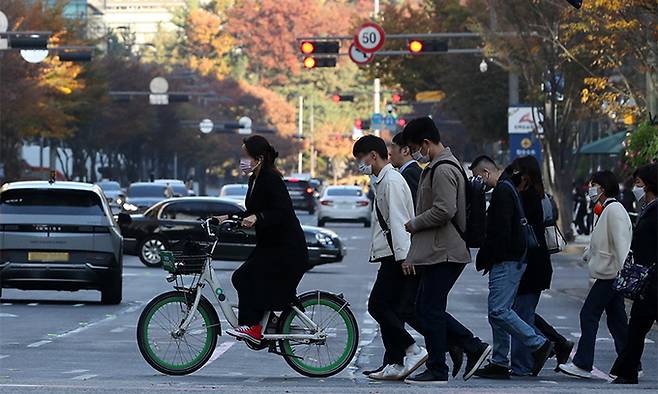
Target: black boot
[457, 357]
[562, 353]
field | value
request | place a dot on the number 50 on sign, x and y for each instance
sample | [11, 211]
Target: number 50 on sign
[369, 38]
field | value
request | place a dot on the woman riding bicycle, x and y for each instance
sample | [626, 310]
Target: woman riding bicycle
[268, 279]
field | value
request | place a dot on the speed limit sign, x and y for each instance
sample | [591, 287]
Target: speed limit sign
[369, 38]
[358, 56]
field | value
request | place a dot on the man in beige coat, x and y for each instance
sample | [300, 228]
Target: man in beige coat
[438, 249]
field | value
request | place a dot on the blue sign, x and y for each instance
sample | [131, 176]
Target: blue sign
[377, 120]
[389, 120]
[524, 144]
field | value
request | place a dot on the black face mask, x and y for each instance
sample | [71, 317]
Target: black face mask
[517, 179]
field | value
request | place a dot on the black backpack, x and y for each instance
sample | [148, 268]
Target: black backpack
[476, 208]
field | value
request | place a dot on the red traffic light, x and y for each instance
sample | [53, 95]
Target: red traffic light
[335, 98]
[401, 122]
[396, 98]
[415, 46]
[358, 123]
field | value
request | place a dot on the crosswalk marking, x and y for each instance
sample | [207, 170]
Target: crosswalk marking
[40, 343]
[84, 377]
[76, 371]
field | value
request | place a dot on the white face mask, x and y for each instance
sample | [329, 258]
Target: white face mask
[639, 193]
[594, 193]
[365, 169]
[419, 157]
[246, 166]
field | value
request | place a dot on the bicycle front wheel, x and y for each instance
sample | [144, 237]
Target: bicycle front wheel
[338, 325]
[168, 349]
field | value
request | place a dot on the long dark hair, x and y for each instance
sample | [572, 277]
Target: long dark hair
[529, 166]
[259, 148]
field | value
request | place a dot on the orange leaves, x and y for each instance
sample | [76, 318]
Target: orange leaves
[206, 43]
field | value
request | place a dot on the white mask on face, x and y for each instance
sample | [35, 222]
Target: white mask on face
[246, 166]
[639, 193]
[419, 157]
[594, 193]
[365, 169]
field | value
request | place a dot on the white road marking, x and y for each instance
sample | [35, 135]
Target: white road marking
[7, 303]
[128, 274]
[575, 334]
[221, 349]
[78, 305]
[7, 315]
[253, 380]
[647, 340]
[84, 377]
[367, 330]
[40, 343]
[33, 304]
[118, 329]
[548, 381]
[560, 317]
[76, 371]
[3, 356]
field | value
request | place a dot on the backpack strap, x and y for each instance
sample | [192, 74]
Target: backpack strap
[461, 170]
[385, 229]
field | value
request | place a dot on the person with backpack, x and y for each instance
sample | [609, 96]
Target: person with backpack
[645, 308]
[540, 212]
[393, 207]
[608, 249]
[503, 256]
[437, 247]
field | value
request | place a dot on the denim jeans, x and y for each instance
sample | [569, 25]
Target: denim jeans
[504, 281]
[524, 306]
[601, 297]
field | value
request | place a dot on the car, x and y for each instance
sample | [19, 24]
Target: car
[143, 195]
[344, 204]
[179, 219]
[178, 186]
[235, 191]
[112, 190]
[60, 236]
[302, 194]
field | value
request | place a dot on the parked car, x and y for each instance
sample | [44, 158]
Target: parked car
[236, 192]
[178, 219]
[178, 186]
[143, 195]
[344, 204]
[60, 236]
[112, 190]
[302, 194]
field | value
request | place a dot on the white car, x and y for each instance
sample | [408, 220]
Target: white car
[344, 204]
[236, 192]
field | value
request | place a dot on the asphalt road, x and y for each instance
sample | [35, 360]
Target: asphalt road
[69, 343]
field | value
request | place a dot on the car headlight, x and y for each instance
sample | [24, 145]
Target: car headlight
[324, 239]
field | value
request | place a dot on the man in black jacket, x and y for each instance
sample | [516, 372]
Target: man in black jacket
[408, 167]
[503, 257]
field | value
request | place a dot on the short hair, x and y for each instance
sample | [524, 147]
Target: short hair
[420, 129]
[484, 161]
[608, 181]
[369, 143]
[399, 140]
[649, 175]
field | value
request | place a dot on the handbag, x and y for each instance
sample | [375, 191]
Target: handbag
[632, 280]
[555, 241]
[531, 241]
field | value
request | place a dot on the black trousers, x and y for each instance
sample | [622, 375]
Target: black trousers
[249, 313]
[440, 329]
[643, 314]
[386, 306]
[547, 330]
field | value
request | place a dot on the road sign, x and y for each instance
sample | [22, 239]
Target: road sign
[4, 23]
[159, 99]
[245, 125]
[359, 57]
[377, 120]
[389, 120]
[206, 126]
[370, 37]
[159, 85]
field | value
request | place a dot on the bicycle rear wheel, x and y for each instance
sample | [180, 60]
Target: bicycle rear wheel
[172, 352]
[335, 319]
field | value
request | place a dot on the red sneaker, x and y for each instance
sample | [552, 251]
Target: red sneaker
[252, 334]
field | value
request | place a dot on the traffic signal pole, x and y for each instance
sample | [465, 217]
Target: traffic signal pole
[300, 134]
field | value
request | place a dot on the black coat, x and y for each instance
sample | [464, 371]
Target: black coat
[411, 174]
[538, 272]
[644, 242]
[504, 240]
[280, 258]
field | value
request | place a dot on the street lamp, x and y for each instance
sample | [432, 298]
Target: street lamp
[34, 55]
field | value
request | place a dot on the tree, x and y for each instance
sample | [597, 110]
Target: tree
[642, 145]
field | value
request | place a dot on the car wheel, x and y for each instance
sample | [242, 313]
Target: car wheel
[321, 222]
[367, 223]
[111, 294]
[311, 211]
[149, 251]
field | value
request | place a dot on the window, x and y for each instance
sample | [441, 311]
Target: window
[185, 210]
[220, 208]
[51, 202]
[152, 190]
[344, 192]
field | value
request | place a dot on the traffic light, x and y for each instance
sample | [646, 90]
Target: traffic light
[402, 122]
[336, 98]
[427, 46]
[396, 98]
[358, 123]
[314, 47]
[576, 3]
[311, 62]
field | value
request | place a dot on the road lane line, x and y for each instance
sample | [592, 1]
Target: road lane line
[78, 305]
[7, 315]
[7, 303]
[33, 304]
[118, 329]
[3, 356]
[84, 377]
[221, 349]
[76, 371]
[40, 343]
[560, 317]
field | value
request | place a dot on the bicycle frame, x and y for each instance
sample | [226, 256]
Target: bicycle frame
[208, 278]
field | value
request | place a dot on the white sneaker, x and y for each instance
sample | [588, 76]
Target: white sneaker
[572, 370]
[390, 372]
[414, 361]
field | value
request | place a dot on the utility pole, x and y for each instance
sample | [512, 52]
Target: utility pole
[300, 134]
[377, 99]
[312, 132]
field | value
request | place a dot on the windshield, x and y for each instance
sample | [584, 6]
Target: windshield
[345, 192]
[146, 191]
[109, 186]
[234, 191]
[51, 202]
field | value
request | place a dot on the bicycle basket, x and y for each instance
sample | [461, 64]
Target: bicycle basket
[186, 257]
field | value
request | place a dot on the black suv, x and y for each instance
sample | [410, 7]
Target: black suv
[302, 194]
